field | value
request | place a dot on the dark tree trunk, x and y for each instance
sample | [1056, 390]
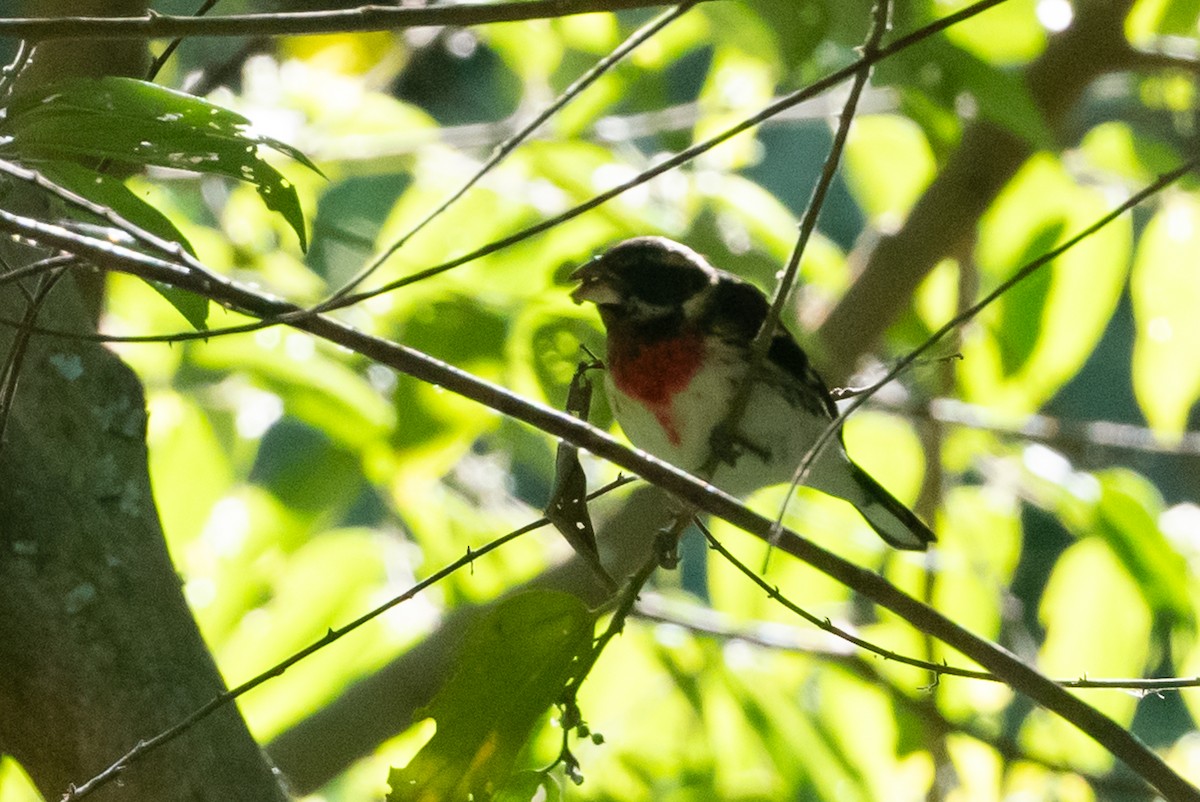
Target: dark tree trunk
[98, 648]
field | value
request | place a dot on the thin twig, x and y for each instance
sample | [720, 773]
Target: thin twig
[143, 748]
[514, 141]
[170, 49]
[880, 18]
[827, 625]
[172, 250]
[16, 354]
[808, 223]
[363, 19]
[1027, 270]
[1145, 685]
[1115, 738]
[41, 266]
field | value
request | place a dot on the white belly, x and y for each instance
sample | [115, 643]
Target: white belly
[775, 435]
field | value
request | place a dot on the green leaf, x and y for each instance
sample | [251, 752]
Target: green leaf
[1137, 157]
[1089, 599]
[1022, 306]
[1009, 33]
[1153, 19]
[1127, 519]
[134, 121]
[1165, 289]
[113, 194]
[888, 164]
[949, 75]
[314, 387]
[524, 786]
[512, 667]
[1051, 341]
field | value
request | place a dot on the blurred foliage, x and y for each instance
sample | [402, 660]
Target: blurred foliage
[300, 485]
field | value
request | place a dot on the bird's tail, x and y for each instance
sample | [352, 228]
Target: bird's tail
[890, 519]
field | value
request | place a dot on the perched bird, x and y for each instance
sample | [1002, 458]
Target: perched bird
[679, 346]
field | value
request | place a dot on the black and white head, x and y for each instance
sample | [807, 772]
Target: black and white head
[646, 280]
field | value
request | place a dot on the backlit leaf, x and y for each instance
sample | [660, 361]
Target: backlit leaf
[113, 194]
[1097, 624]
[1165, 288]
[132, 121]
[512, 667]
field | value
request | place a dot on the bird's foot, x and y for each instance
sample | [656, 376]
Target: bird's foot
[666, 547]
[728, 445]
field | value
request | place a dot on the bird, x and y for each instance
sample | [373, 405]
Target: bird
[678, 346]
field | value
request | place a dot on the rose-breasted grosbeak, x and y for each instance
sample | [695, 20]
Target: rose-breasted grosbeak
[679, 335]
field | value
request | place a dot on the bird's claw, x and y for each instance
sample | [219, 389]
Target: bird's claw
[728, 445]
[666, 547]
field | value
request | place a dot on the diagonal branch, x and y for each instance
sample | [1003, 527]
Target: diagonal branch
[1117, 740]
[511, 143]
[363, 19]
[965, 186]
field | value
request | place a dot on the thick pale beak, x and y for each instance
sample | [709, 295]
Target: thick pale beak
[595, 285]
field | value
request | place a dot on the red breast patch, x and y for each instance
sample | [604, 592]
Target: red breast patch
[653, 373]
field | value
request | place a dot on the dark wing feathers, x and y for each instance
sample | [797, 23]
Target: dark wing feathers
[737, 309]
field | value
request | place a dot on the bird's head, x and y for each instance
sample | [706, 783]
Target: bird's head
[645, 280]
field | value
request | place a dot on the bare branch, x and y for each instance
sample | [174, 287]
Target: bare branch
[1069, 435]
[511, 143]
[302, 23]
[1115, 738]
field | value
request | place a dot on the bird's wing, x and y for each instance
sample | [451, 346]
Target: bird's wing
[737, 309]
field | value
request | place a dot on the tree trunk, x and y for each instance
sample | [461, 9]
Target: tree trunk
[98, 648]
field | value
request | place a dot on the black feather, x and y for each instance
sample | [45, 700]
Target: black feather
[737, 311]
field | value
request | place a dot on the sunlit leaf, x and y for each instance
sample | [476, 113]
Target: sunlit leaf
[511, 669]
[528, 48]
[180, 436]
[1097, 625]
[1007, 34]
[133, 121]
[887, 448]
[1068, 316]
[312, 387]
[595, 33]
[979, 543]
[966, 84]
[1127, 518]
[888, 164]
[1165, 288]
[737, 81]
[113, 194]
[328, 581]
[1151, 19]
[1020, 315]
[1138, 157]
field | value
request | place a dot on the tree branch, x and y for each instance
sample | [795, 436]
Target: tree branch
[97, 644]
[985, 160]
[1120, 742]
[363, 19]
